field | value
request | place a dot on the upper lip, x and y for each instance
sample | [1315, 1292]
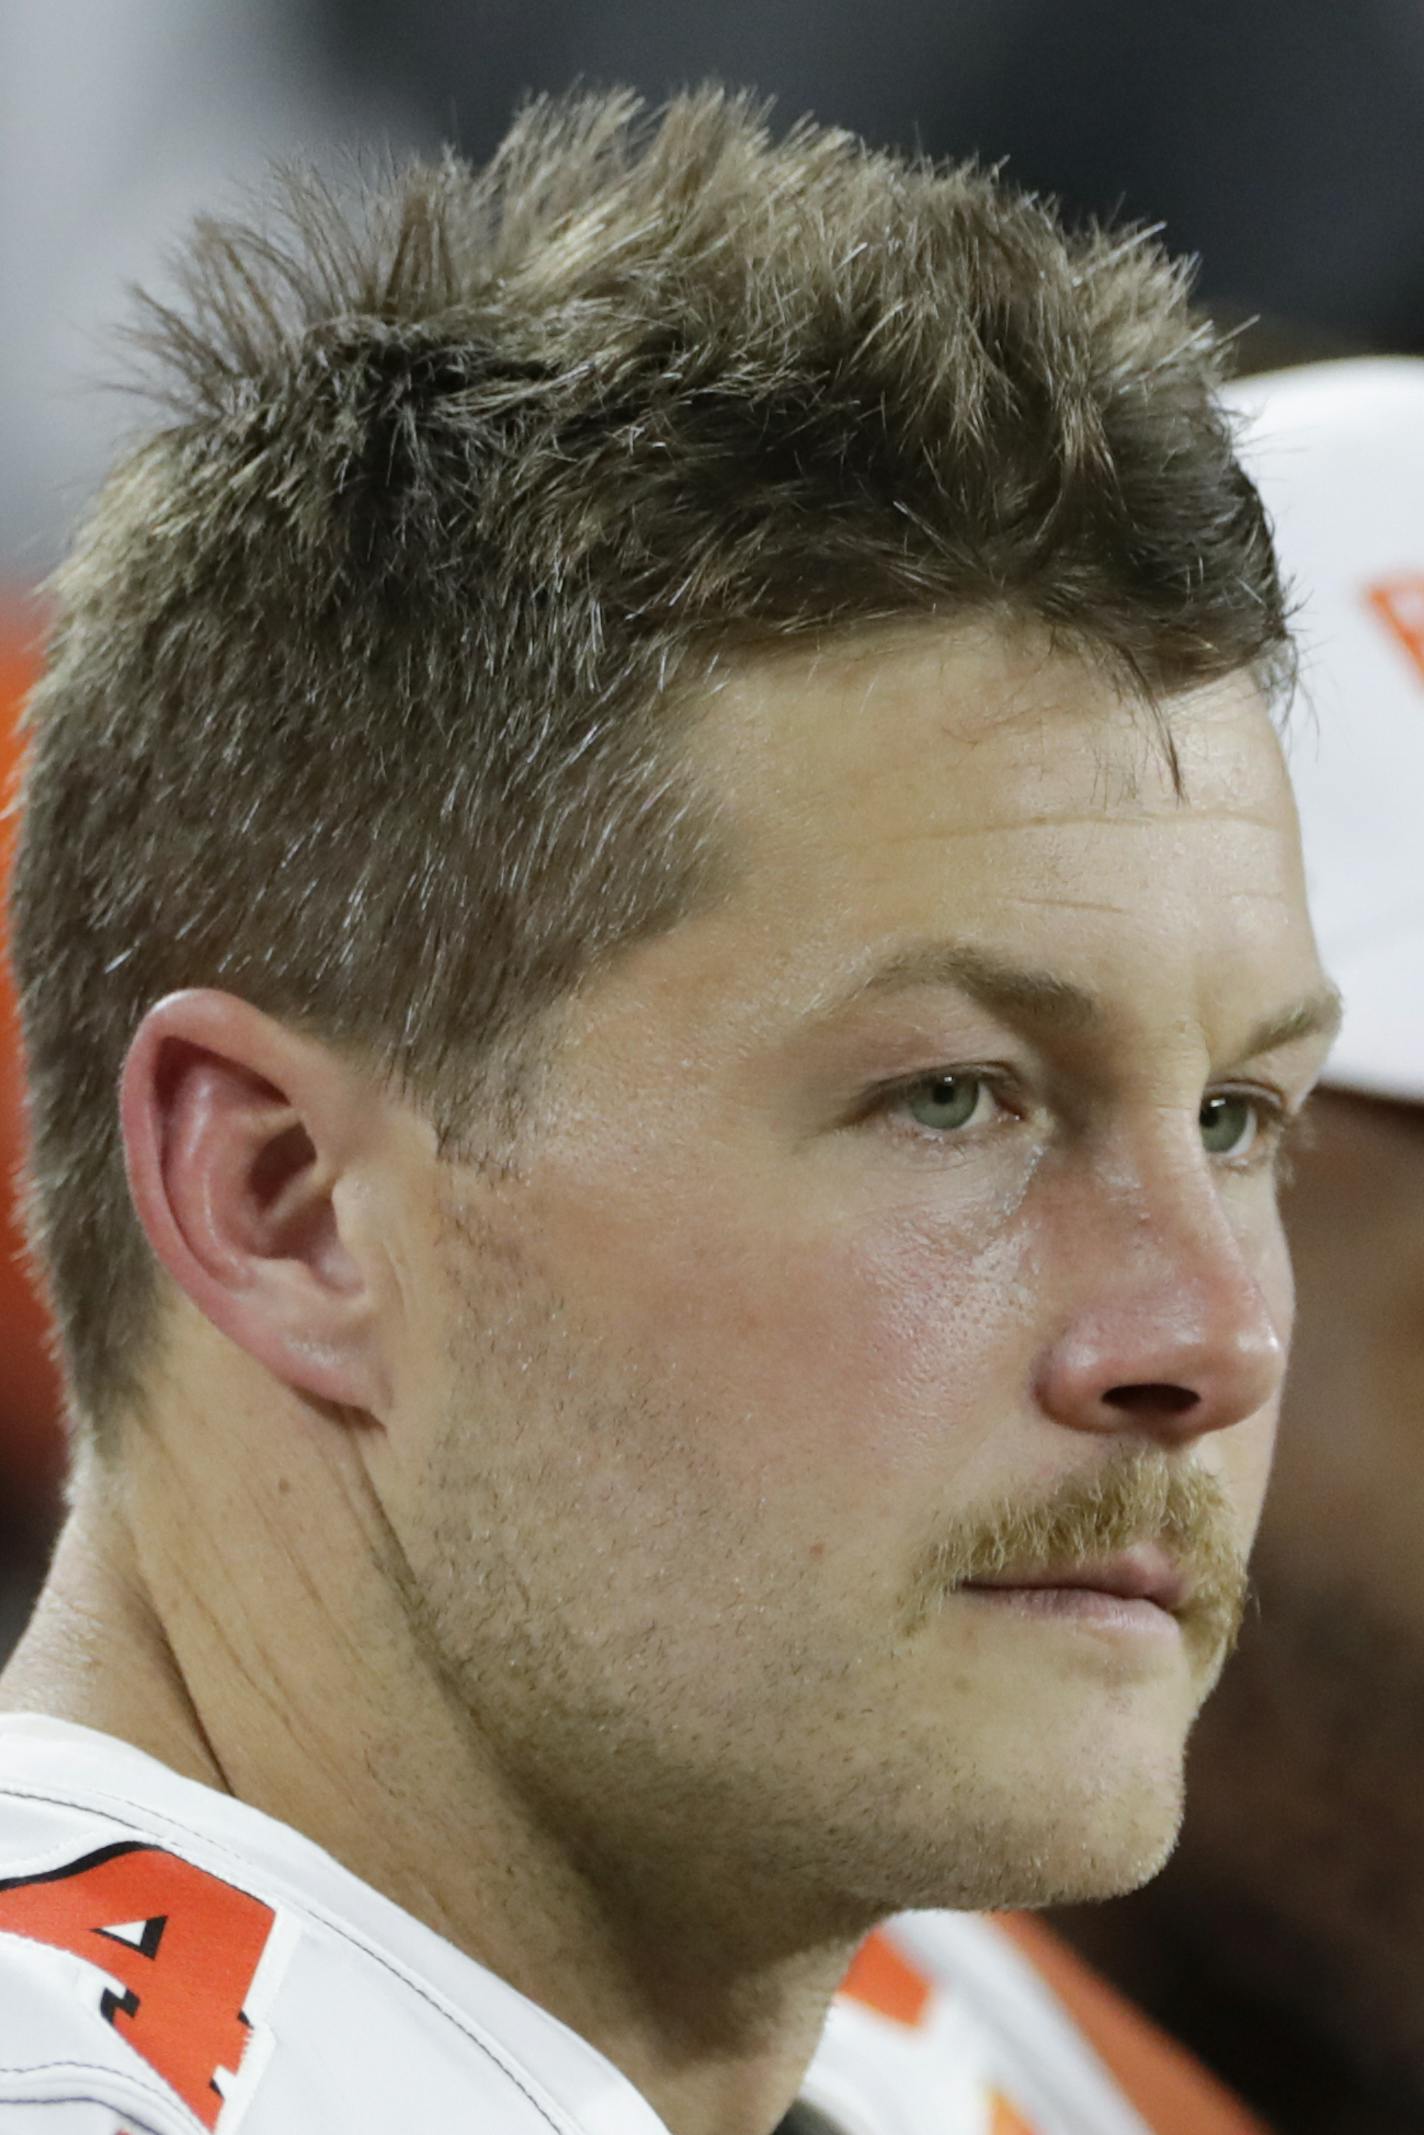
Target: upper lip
[1145, 1573]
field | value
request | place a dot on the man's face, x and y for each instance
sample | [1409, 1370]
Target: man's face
[866, 1235]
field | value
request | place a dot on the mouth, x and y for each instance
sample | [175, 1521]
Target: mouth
[1131, 1588]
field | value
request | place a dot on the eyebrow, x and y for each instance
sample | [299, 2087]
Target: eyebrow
[1017, 992]
[1020, 993]
[1317, 1016]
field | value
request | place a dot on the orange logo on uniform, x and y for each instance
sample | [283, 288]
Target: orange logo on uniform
[882, 1980]
[1399, 603]
[1006, 2119]
[184, 1946]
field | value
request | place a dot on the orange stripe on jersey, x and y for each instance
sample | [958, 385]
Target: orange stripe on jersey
[887, 1982]
[1399, 603]
[1006, 2119]
[1173, 2093]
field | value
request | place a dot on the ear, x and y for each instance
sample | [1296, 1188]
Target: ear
[240, 1138]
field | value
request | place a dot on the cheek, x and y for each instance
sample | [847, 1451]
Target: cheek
[935, 1331]
[1278, 1280]
[1246, 1452]
[886, 1344]
[1246, 1461]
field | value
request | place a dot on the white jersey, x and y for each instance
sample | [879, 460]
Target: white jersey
[173, 1962]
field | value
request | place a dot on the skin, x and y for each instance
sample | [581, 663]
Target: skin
[1295, 1869]
[621, 1492]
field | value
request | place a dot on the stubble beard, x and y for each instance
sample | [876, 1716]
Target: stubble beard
[677, 1755]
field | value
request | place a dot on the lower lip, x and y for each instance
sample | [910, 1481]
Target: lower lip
[1084, 1605]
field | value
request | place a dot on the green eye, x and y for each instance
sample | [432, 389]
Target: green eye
[944, 1102]
[1229, 1123]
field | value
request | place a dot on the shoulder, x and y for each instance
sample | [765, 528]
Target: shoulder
[173, 1979]
[123, 1973]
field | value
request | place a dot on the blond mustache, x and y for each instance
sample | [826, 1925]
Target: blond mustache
[1138, 1496]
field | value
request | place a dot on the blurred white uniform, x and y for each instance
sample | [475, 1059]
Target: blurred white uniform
[172, 1960]
[1337, 452]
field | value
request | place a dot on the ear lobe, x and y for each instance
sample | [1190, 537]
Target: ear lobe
[237, 1132]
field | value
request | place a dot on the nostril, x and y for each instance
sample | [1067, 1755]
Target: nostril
[1152, 1398]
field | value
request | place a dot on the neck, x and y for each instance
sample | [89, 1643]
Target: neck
[283, 1674]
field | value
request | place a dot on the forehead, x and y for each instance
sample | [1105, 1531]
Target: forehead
[974, 783]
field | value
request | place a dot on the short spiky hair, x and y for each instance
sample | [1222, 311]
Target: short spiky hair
[362, 699]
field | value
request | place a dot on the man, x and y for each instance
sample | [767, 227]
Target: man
[658, 797]
[1287, 1939]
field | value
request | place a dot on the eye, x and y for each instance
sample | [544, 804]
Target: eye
[1231, 1122]
[945, 1103]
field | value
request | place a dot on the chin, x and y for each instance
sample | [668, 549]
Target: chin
[1072, 1835]
[1109, 1868]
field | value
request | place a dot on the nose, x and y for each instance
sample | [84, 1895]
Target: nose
[1171, 1338]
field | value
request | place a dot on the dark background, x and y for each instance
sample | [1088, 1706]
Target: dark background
[1281, 141]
